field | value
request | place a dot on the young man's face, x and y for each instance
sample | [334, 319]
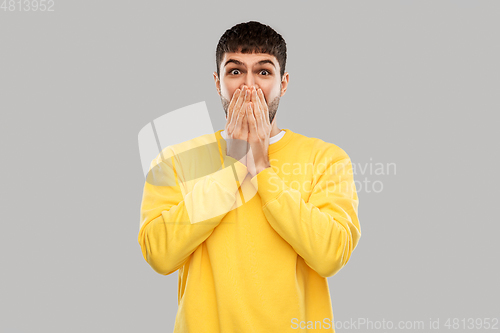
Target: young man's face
[259, 70]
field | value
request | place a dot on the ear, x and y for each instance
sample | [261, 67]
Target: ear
[217, 82]
[284, 83]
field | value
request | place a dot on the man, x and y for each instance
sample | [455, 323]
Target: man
[255, 242]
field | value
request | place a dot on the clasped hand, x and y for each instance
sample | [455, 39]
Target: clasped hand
[248, 129]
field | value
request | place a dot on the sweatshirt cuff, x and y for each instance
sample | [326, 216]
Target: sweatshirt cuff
[226, 176]
[268, 184]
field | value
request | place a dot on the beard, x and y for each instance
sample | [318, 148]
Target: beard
[272, 107]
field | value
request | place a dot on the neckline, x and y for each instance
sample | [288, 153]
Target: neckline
[273, 147]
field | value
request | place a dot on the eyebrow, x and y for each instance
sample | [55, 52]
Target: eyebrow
[237, 62]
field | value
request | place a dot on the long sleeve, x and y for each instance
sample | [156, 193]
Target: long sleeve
[179, 210]
[325, 230]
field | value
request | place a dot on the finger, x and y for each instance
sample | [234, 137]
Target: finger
[258, 112]
[240, 120]
[244, 124]
[241, 102]
[252, 122]
[257, 101]
[262, 100]
[244, 120]
[236, 94]
[256, 104]
[244, 106]
[237, 105]
[248, 96]
[246, 99]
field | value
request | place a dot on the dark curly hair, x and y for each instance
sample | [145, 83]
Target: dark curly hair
[252, 37]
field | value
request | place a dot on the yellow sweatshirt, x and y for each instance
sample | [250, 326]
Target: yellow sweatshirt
[253, 254]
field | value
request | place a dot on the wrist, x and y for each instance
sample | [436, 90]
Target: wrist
[261, 167]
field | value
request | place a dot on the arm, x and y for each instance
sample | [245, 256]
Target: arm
[179, 211]
[323, 231]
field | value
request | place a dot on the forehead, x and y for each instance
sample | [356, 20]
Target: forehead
[249, 59]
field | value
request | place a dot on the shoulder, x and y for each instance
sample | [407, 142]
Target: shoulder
[320, 149]
[196, 149]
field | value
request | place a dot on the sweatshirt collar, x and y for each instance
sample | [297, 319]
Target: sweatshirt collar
[275, 143]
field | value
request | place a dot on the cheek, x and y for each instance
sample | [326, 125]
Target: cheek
[271, 92]
[269, 95]
[228, 92]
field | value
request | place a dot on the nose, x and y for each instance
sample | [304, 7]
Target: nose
[249, 82]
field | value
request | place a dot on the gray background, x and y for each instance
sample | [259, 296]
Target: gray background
[414, 83]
